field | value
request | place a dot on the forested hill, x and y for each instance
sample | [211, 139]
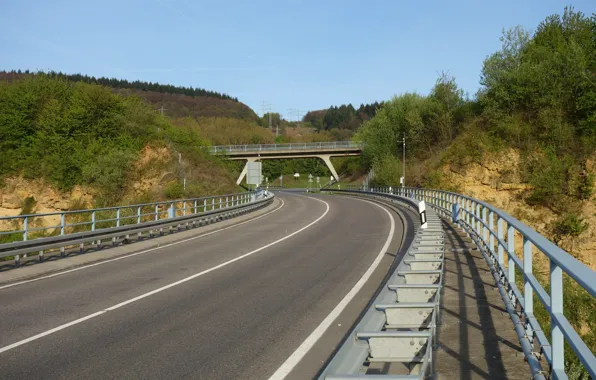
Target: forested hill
[342, 117]
[177, 101]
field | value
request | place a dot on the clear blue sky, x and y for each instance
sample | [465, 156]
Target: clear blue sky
[293, 54]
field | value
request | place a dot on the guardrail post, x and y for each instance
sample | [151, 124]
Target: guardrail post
[25, 228]
[115, 239]
[212, 203]
[528, 291]
[470, 208]
[195, 207]
[156, 212]
[139, 234]
[500, 235]
[491, 227]
[510, 262]
[62, 230]
[205, 205]
[227, 202]
[478, 218]
[484, 228]
[556, 307]
[184, 209]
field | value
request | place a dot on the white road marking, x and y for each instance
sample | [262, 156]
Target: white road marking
[309, 342]
[121, 304]
[140, 252]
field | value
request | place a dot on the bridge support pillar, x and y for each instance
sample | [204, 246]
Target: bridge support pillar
[327, 159]
[245, 169]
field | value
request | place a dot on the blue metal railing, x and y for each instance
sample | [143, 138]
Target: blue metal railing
[479, 219]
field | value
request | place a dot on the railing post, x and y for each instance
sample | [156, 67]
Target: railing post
[139, 234]
[204, 205]
[472, 215]
[156, 212]
[227, 202]
[500, 235]
[184, 209]
[556, 307]
[528, 291]
[194, 209]
[118, 217]
[491, 227]
[62, 230]
[484, 228]
[212, 204]
[510, 262]
[478, 218]
[25, 228]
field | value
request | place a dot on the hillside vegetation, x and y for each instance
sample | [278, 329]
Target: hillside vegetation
[74, 133]
[531, 126]
[538, 96]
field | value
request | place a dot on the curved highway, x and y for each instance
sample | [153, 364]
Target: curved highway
[263, 299]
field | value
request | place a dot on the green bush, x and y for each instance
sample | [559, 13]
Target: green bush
[547, 173]
[28, 205]
[174, 190]
[585, 188]
[569, 225]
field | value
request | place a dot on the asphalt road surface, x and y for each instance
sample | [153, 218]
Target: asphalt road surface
[230, 305]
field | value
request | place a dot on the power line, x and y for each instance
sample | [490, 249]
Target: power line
[266, 106]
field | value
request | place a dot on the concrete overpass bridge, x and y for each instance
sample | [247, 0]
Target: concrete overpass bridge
[322, 150]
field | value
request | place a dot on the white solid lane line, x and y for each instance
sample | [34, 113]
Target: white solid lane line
[309, 342]
[121, 304]
[141, 252]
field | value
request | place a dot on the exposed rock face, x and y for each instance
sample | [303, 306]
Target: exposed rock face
[498, 181]
[47, 199]
[149, 172]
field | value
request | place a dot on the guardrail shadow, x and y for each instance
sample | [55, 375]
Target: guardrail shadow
[471, 305]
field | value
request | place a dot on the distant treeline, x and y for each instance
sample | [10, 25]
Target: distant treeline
[343, 117]
[123, 83]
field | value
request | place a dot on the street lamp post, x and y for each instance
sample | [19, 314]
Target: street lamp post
[403, 161]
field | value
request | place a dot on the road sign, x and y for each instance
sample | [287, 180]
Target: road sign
[310, 176]
[310, 180]
[253, 173]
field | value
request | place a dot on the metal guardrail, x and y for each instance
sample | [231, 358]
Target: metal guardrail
[495, 232]
[120, 221]
[400, 326]
[223, 149]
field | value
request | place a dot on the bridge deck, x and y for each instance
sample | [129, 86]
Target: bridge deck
[476, 336]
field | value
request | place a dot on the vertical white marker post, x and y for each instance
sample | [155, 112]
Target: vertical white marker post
[422, 212]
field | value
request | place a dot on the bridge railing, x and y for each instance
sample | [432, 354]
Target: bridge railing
[223, 149]
[25, 233]
[496, 233]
